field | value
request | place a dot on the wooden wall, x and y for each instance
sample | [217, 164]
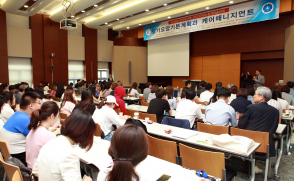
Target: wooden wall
[289, 55]
[4, 77]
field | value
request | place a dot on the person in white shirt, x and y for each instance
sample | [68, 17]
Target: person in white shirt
[133, 138]
[7, 111]
[234, 91]
[133, 90]
[189, 109]
[105, 116]
[46, 87]
[68, 102]
[170, 97]
[152, 93]
[285, 95]
[275, 103]
[283, 102]
[2, 102]
[58, 159]
[207, 94]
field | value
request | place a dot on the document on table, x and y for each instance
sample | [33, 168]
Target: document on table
[184, 134]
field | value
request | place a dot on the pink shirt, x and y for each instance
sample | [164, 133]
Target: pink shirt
[35, 140]
[52, 94]
[67, 108]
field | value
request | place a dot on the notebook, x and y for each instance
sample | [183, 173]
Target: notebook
[184, 134]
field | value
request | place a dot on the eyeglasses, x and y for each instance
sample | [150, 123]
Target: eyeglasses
[36, 102]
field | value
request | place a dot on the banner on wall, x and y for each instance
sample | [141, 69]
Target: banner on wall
[253, 11]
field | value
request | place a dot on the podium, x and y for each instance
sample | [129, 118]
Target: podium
[194, 83]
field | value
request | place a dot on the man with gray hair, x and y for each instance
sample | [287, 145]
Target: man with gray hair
[261, 116]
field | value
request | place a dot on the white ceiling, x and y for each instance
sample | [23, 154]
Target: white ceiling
[116, 9]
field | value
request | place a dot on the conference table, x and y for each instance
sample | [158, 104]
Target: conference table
[150, 169]
[288, 120]
[144, 109]
[279, 134]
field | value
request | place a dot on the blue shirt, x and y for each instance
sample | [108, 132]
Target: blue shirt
[18, 123]
[291, 92]
[250, 98]
[220, 113]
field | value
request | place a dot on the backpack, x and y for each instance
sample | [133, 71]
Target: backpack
[25, 171]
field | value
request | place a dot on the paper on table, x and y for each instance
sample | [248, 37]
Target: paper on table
[184, 134]
[179, 173]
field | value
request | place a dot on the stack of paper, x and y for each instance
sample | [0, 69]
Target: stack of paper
[184, 134]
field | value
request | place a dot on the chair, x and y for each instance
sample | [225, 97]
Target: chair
[166, 150]
[98, 130]
[4, 150]
[131, 112]
[62, 121]
[57, 99]
[151, 117]
[213, 163]
[280, 120]
[117, 110]
[212, 129]
[16, 177]
[203, 111]
[182, 123]
[11, 170]
[47, 96]
[258, 137]
[142, 99]
[131, 95]
[145, 104]
[63, 115]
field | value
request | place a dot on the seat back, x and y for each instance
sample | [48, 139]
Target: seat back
[203, 111]
[63, 115]
[10, 170]
[117, 110]
[131, 112]
[151, 117]
[131, 95]
[142, 99]
[145, 104]
[166, 150]
[98, 130]
[198, 102]
[62, 121]
[57, 99]
[182, 123]
[257, 136]
[4, 150]
[212, 129]
[280, 120]
[212, 163]
[16, 177]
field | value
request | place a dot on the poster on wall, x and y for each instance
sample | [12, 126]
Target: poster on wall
[253, 11]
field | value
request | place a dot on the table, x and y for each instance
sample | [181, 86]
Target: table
[131, 100]
[158, 130]
[151, 168]
[144, 109]
[288, 121]
[279, 134]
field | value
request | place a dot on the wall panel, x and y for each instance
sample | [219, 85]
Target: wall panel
[105, 49]
[289, 55]
[3, 48]
[76, 47]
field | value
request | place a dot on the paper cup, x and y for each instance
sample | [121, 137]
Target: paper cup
[146, 119]
[136, 114]
[287, 111]
[121, 113]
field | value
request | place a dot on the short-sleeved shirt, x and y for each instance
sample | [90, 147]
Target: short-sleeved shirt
[158, 106]
[14, 132]
[188, 110]
[35, 140]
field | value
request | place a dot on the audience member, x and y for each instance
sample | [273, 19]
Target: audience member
[77, 84]
[152, 92]
[183, 94]
[40, 91]
[218, 84]
[220, 113]
[5, 87]
[230, 85]
[86, 103]
[189, 109]
[15, 129]
[58, 159]
[19, 94]
[282, 101]
[147, 90]
[125, 160]
[120, 83]
[240, 103]
[41, 84]
[207, 94]
[105, 116]
[133, 90]
[159, 105]
[261, 116]
[233, 90]
[12, 88]
[188, 84]
[60, 90]
[170, 97]
[68, 102]
[53, 90]
[250, 92]
[7, 111]
[28, 89]
[275, 103]
[92, 88]
[2, 102]
[119, 94]
[46, 87]
[80, 88]
[285, 95]
[213, 99]
[291, 85]
[110, 79]
[41, 126]
[202, 89]
[106, 91]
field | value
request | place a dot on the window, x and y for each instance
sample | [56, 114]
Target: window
[75, 71]
[103, 71]
[20, 70]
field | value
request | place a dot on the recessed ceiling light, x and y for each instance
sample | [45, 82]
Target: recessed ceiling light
[83, 11]
[128, 27]
[72, 16]
[207, 8]
[26, 6]
[168, 17]
[231, 2]
[117, 19]
[106, 23]
[139, 24]
[95, 5]
[187, 12]
[147, 10]
[153, 21]
[165, 5]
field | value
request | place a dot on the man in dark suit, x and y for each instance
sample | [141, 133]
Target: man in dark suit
[261, 116]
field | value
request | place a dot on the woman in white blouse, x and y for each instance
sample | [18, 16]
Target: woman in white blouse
[7, 110]
[58, 159]
[170, 97]
[283, 102]
[133, 90]
[133, 138]
[105, 116]
[233, 90]
[46, 87]
[152, 93]
[68, 102]
[275, 103]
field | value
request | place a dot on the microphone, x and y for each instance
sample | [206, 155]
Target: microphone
[201, 173]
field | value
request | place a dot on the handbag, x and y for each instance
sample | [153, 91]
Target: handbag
[137, 122]
[26, 172]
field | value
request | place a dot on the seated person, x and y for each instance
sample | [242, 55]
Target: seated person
[233, 96]
[2, 102]
[133, 90]
[7, 111]
[159, 105]
[68, 102]
[220, 113]
[86, 102]
[105, 116]
[282, 101]
[137, 152]
[275, 103]
[207, 94]
[41, 127]
[285, 95]
[241, 102]
[58, 159]
[152, 93]
[189, 109]
[202, 89]
[147, 90]
[170, 97]
[250, 92]
[119, 94]
[15, 129]
[19, 94]
[261, 116]
[188, 84]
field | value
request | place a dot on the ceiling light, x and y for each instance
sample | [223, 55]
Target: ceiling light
[165, 5]
[147, 10]
[207, 8]
[153, 21]
[60, 8]
[83, 11]
[26, 6]
[117, 19]
[139, 24]
[72, 16]
[168, 17]
[128, 27]
[95, 5]
[106, 23]
[231, 2]
[91, 19]
[123, 7]
[186, 12]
